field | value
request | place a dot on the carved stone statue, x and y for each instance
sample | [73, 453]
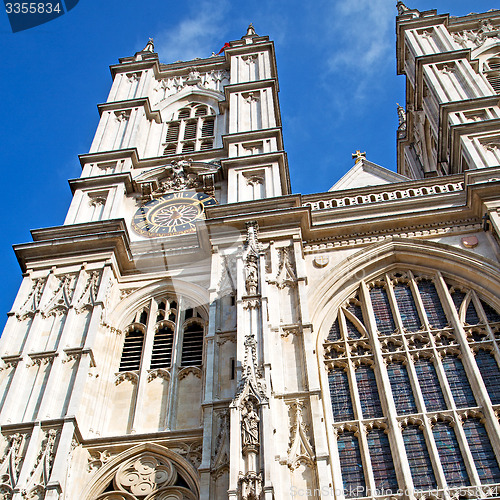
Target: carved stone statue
[401, 114]
[249, 424]
[251, 275]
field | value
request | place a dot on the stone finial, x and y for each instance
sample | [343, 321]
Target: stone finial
[358, 156]
[250, 31]
[402, 8]
[150, 46]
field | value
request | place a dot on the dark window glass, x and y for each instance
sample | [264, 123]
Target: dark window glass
[418, 458]
[450, 456]
[382, 310]
[383, 468]
[368, 393]
[351, 465]
[401, 388]
[407, 308]
[482, 452]
[340, 395]
[429, 384]
[432, 304]
[459, 385]
[491, 374]
[334, 333]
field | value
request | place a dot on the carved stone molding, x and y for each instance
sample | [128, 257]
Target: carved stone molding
[40, 473]
[477, 38]
[10, 463]
[300, 450]
[97, 459]
[159, 373]
[41, 358]
[60, 301]
[147, 475]
[427, 231]
[11, 361]
[435, 189]
[211, 80]
[32, 303]
[250, 485]
[226, 285]
[191, 451]
[130, 376]
[178, 175]
[88, 297]
[194, 370]
[287, 330]
[286, 276]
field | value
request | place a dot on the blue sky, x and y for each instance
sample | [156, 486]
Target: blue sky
[338, 89]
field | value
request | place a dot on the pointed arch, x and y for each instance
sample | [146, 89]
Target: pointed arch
[418, 366]
[462, 265]
[174, 462]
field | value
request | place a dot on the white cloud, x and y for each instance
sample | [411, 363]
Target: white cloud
[197, 36]
[362, 34]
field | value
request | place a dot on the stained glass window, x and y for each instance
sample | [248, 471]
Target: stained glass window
[401, 388]
[334, 333]
[471, 316]
[368, 393]
[418, 458]
[491, 374]
[382, 310]
[482, 452]
[352, 331]
[407, 308]
[383, 469]
[340, 395]
[355, 310]
[459, 385]
[432, 304]
[429, 385]
[351, 465]
[450, 457]
[458, 297]
[491, 315]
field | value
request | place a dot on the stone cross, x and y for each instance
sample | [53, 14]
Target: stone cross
[358, 155]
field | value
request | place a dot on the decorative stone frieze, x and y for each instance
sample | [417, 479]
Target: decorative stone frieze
[398, 194]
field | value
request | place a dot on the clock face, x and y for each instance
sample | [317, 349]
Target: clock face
[174, 213]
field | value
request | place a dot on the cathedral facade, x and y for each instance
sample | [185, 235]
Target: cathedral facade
[195, 330]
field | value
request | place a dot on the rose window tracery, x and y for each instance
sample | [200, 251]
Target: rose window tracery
[147, 477]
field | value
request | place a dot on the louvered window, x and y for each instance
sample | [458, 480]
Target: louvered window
[191, 130]
[132, 351]
[162, 348]
[166, 346]
[492, 72]
[192, 345]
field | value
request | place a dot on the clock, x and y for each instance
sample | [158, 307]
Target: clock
[174, 213]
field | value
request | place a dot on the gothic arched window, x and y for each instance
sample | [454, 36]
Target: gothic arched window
[413, 365]
[192, 130]
[171, 342]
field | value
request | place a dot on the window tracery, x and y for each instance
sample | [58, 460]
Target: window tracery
[401, 328]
